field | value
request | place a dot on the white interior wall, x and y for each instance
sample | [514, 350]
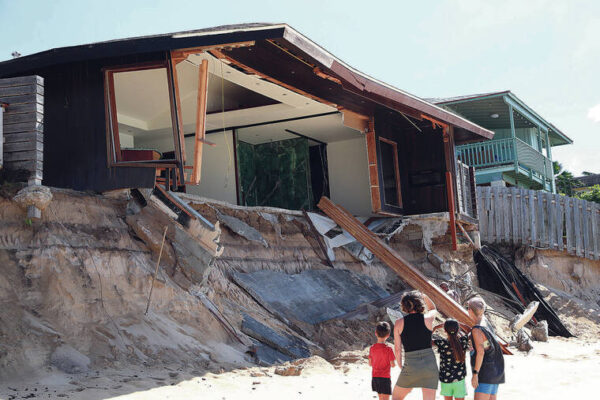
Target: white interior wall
[218, 168]
[349, 175]
[126, 140]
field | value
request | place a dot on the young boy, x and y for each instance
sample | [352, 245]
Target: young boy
[382, 359]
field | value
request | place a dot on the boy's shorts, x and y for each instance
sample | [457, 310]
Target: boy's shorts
[381, 385]
[487, 388]
[457, 389]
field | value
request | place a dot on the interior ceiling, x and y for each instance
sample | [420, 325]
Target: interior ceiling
[327, 129]
[143, 103]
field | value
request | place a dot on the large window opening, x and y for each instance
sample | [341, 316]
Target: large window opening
[266, 145]
[141, 116]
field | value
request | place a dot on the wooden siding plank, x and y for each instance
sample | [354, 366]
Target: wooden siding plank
[541, 223]
[491, 217]
[27, 126]
[594, 218]
[569, 224]
[20, 90]
[10, 118]
[25, 108]
[516, 215]
[531, 215]
[551, 222]
[24, 156]
[23, 146]
[482, 213]
[22, 80]
[507, 215]
[29, 165]
[577, 226]
[22, 99]
[585, 225]
[24, 137]
[560, 216]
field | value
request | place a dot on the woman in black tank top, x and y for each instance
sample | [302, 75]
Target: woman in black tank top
[412, 334]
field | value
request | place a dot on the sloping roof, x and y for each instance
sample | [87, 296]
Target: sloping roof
[353, 79]
[589, 180]
[558, 137]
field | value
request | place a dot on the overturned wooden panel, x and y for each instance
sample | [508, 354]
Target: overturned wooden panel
[21, 130]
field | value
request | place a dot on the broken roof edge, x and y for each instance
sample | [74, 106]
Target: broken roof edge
[369, 86]
[329, 60]
[480, 96]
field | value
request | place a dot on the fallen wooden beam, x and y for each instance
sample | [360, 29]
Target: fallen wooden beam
[408, 273]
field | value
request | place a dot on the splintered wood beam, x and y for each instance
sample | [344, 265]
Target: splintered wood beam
[178, 113]
[408, 273]
[182, 54]
[200, 120]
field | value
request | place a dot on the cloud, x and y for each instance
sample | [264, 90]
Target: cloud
[594, 113]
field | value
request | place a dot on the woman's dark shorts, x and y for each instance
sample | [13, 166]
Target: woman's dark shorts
[382, 385]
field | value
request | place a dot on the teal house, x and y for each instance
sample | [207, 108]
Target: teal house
[520, 154]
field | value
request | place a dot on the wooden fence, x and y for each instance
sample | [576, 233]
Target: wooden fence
[540, 219]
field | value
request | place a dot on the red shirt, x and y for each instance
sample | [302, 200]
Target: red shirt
[381, 356]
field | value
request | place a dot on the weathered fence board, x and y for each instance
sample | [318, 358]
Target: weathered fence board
[22, 130]
[538, 218]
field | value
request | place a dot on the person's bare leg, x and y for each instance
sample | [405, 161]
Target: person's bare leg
[482, 396]
[493, 397]
[428, 394]
[384, 396]
[449, 398]
[399, 393]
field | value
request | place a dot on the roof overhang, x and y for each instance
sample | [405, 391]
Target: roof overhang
[352, 80]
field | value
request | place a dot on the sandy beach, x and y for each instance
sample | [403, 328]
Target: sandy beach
[558, 369]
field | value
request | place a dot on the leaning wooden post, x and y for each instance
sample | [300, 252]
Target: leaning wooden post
[451, 209]
[156, 271]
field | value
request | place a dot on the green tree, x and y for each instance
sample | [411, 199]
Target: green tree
[565, 181]
[591, 195]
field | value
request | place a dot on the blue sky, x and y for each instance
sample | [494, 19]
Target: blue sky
[547, 52]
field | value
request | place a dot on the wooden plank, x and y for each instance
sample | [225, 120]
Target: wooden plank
[29, 88]
[25, 108]
[451, 208]
[481, 213]
[24, 156]
[585, 225]
[498, 214]
[551, 222]
[27, 126]
[22, 80]
[491, 217]
[569, 224]
[22, 99]
[407, 272]
[29, 165]
[23, 117]
[515, 215]
[507, 214]
[24, 137]
[560, 216]
[23, 146]
[200, 120]
[531, 208]
[577, 226]
[526, 217]
[595, 218]
[540, 219]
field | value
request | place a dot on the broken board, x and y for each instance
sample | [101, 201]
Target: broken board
[407, 272]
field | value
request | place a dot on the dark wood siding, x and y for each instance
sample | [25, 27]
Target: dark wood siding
[421, 160]
[75, 129]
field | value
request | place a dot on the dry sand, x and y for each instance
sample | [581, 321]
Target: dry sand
[560, 369]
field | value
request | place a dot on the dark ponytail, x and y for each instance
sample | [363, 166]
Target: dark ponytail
[451, 327]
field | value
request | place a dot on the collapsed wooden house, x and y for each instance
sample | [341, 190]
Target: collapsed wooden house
[252, 114]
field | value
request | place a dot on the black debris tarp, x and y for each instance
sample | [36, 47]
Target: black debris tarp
[496, 274]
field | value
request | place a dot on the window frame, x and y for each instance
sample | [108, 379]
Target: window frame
[113, 145]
